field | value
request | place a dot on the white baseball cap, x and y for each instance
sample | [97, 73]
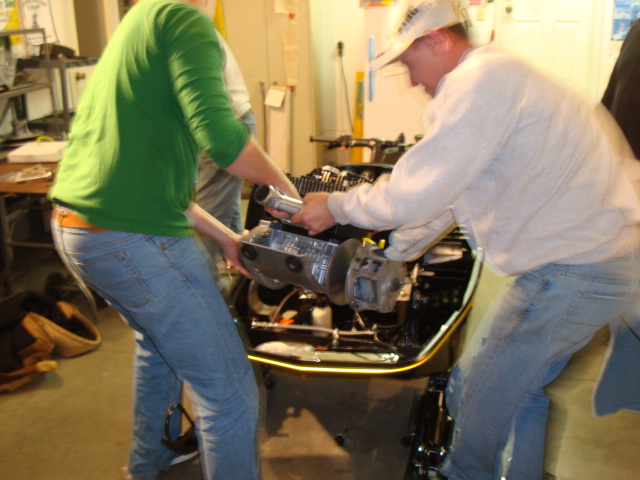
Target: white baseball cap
[416, 18]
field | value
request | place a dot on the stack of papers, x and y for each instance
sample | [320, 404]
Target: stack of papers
[37, 172]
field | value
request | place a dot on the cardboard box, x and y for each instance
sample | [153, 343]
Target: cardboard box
[37, 152]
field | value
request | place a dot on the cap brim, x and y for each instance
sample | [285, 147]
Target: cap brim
[395, 49]
[389, 55]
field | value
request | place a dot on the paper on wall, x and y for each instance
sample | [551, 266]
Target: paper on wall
[291, 52]
[37, 14]
[275, 96]
[287, 7]
[279, 138]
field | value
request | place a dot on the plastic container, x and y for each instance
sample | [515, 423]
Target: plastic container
[321, 315]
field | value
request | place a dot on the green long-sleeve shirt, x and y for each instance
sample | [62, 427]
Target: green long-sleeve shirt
[155, 99]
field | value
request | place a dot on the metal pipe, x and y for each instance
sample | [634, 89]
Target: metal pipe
[270, 197]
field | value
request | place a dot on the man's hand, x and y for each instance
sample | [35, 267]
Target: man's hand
[227, 239]
[314, 215]
[231, 249]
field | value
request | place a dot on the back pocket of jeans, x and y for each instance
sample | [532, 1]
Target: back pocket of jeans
[585, 315]
[116, 277]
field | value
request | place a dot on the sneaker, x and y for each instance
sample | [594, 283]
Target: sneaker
[127, 475]
[183, 458]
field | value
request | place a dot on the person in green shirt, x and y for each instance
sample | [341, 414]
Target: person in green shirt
[125, 222]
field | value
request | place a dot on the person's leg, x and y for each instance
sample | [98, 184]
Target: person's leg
[618, 385]
[155, 389]
[523, 454]
[207, 352]
[165, 291]
[155, 385]
[497, 387]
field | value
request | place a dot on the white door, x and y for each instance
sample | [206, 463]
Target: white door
[557, 36]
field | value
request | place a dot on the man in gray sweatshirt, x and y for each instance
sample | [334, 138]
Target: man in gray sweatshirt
[522, 163]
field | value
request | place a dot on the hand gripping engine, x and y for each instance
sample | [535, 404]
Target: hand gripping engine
[350, 272]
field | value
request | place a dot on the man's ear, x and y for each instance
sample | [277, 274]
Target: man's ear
[426, 41]
[440, 39]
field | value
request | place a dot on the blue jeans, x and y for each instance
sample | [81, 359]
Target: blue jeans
[164, 289]
[496, 391]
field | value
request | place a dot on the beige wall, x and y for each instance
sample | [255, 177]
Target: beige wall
[253, 33]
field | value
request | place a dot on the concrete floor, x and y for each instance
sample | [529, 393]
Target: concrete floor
[73, 423]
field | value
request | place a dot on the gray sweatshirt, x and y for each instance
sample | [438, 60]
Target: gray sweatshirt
[517, 160]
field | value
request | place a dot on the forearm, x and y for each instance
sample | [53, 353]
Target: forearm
[255, 165]
[207, 225]
[228, 240]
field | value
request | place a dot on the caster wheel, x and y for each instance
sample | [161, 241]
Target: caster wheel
[341, 438]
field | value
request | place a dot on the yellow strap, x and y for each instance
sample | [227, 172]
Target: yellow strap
[44, 137]
[218, 19]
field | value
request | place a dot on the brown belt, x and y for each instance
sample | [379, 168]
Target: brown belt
[72, 220]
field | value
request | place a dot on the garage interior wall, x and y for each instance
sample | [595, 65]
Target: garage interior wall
[254, 30]
[323, 95]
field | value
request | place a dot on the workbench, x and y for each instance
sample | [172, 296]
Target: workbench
[16, 200]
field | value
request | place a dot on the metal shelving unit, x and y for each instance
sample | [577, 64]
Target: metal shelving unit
[17, 92]
[63, 65]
